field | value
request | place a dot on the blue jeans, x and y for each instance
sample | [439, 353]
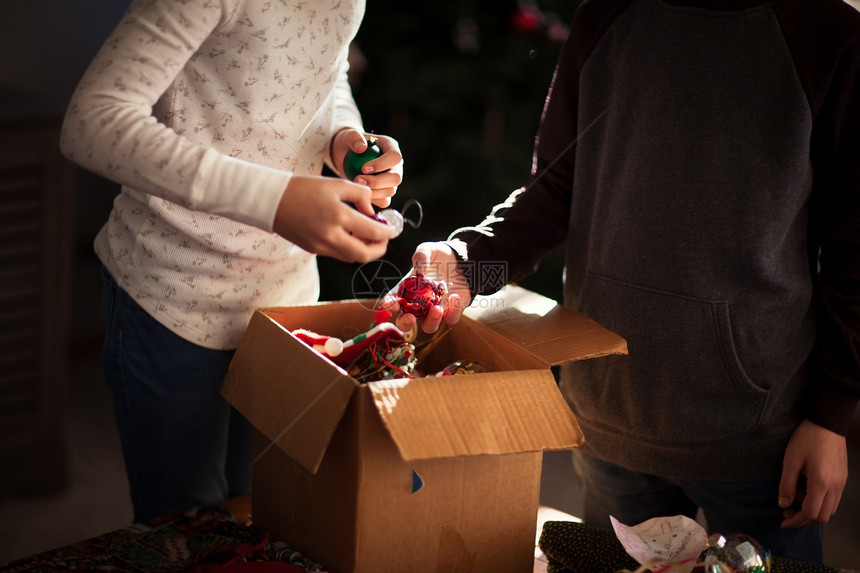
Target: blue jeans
[729, 507]
[184, 446]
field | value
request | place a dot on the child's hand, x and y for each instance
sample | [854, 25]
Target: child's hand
[436, 261]
[382, 174]
[314, 214]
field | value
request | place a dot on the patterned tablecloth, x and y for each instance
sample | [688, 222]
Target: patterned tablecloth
[201, 541]
[222, 539]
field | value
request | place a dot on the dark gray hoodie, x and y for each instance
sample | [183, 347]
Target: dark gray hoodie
[694, 158]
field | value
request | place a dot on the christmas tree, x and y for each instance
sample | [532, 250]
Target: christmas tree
[461, 85]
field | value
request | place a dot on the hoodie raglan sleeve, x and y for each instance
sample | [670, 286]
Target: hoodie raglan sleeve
[836, 364]
[533, 220]
[830, 68]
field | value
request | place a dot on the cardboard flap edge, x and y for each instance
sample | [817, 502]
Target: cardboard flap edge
[552, 333]
[477, 414]
[286, 401]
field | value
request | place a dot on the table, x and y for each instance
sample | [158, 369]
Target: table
[240, 508]
[218, 538]
[222, 538]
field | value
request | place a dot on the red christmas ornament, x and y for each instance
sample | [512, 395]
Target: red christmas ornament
[528, 18]
[418, 294]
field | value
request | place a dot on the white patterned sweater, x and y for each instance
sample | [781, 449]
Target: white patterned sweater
[202, 110]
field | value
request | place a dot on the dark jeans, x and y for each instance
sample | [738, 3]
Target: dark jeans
[184, 446]
[729, 507]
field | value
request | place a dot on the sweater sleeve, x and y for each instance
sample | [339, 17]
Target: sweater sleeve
[110, 129]
[346, 113]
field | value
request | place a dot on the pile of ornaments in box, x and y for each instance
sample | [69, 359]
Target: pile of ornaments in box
[384, 351]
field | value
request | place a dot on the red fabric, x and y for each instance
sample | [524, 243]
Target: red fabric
[351, 350]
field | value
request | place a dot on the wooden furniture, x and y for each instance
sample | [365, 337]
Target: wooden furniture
[35, 262]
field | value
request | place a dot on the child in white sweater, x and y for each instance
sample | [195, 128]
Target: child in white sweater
[216, 118]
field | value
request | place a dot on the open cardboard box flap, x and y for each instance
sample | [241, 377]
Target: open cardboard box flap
[298, 397]
[543, 328]
[289, 392]
[515, 408]
[498, 413]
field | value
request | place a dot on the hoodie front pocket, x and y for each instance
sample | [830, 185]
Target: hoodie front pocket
[682, 381]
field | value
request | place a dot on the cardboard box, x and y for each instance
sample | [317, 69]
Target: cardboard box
[430, 474]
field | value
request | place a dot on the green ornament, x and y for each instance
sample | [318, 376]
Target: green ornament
[353, 161]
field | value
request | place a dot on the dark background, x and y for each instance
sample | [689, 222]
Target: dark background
[461, 86]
